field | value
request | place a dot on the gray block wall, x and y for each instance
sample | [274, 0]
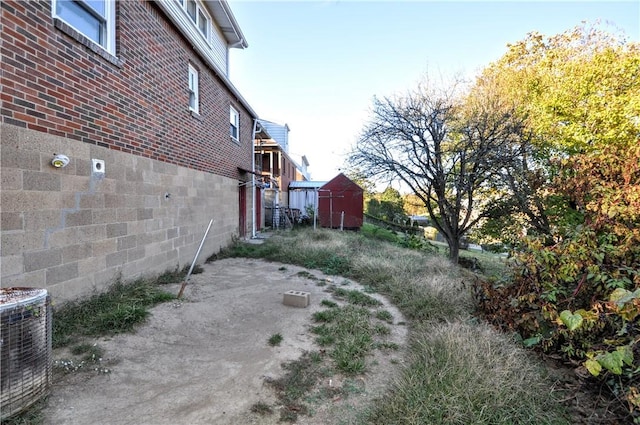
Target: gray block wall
[73, 231]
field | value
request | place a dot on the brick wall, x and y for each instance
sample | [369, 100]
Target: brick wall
[137, 103]
[167, 173]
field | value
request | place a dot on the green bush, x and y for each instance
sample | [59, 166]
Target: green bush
[579, 298]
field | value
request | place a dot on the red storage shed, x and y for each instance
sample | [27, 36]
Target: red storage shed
[340, 203]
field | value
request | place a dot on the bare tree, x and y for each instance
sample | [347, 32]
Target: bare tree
[526, 203]
[447, 150]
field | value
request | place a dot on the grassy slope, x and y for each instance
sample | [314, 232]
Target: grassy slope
[459, 371]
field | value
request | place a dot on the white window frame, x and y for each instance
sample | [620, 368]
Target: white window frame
[234, 123]
[107, 22]
[199, 14]
[194, 89]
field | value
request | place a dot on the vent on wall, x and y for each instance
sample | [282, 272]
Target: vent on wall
[25, 348]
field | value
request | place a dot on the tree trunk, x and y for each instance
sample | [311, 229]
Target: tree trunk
[454, 250]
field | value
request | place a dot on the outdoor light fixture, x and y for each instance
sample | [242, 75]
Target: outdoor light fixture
[60, 161]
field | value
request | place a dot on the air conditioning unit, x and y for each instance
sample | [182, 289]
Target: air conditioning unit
[25, 348]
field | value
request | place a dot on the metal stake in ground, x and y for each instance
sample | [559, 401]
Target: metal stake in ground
[186, 279]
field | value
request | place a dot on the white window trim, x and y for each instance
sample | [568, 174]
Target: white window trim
[110, 27]
[233, 112]
[200, 10]
[194, 89]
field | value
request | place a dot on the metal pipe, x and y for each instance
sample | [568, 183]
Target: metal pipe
[315, 208]
[253, 177]
[184, 284]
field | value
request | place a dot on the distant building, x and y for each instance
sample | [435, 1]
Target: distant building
[303, 195]
[279, 133]
[277, 170]
[419, 220]
[303, 169]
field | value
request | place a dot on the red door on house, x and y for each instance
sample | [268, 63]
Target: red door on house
[258, 203]
[242, 225]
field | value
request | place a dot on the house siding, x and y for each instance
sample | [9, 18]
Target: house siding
[167, 173]
[217, 52]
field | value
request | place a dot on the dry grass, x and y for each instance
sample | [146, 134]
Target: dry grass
[458, 371]
[465, 373]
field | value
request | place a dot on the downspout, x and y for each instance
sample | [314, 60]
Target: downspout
[280, 168]
[253, 178]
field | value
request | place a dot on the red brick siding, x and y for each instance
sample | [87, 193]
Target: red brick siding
[285, 176]
[54, 84]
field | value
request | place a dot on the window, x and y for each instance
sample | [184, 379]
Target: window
[191, 9]
[198, 15]
[193, 89]
[203, 24]
[234, 119]
[95, 19]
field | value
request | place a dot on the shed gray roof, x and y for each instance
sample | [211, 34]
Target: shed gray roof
[306, 185]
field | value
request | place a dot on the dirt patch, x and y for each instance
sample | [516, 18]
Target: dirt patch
[206, 359]
[587, 401]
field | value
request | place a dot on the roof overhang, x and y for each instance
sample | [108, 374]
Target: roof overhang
[227, 22]
[260, 133]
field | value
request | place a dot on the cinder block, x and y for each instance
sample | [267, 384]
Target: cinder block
[38, 260]
[296, 298]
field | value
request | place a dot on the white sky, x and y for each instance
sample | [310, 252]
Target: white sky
[316, 65]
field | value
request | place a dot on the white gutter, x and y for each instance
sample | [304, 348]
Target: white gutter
[241, 43]
[253, 177]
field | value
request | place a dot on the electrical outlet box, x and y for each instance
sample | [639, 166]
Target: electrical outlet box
[97, 166]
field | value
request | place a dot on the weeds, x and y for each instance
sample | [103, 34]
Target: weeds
[328, 303]
[349, 333]
[88, 358]
[70, 365]
[380, 329]
[305, 274]
[275, 339]
[462, 369]
[386, 346]
[300, 377]
[88, 351]
[261, 408]
[385, 316]
[173, 276]
[353, 386]
[117, 310]
[376, 232]
[356, 297]
[325, 315]
[31, 416]
[239, 249]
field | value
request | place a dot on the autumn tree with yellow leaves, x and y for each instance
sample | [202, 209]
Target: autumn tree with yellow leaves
[573, 199]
